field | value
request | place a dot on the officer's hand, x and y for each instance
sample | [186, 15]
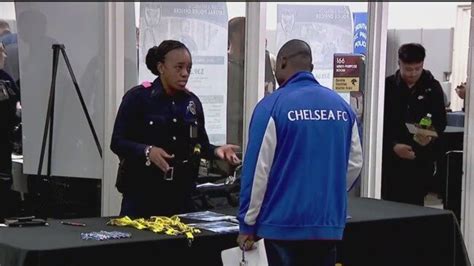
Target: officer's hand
[159, 156]
[227, 152]
[245, 241]
[404, 151]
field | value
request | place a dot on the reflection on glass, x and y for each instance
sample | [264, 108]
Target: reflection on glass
[434, 177]
[202, 27]
[235, 81]
[215, 35]
[329, 28]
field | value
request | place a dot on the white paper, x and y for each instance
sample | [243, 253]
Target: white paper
[209, 184]
[411, 128]
[254, 257]
[414, 130]
[218, 227]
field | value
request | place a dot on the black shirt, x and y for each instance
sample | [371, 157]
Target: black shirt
[148, 116]
[409, 105]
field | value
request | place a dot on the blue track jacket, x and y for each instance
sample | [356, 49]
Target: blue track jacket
[303, 145]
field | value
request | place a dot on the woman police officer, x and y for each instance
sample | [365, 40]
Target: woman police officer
[159, 136]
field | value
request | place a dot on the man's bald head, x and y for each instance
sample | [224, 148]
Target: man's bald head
[294, 56]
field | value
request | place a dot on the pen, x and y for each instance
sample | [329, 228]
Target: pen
[73, 223]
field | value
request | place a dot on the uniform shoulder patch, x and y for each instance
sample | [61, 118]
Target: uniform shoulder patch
[146, 84]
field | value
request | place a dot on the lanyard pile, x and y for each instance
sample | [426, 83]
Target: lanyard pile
[158, 224]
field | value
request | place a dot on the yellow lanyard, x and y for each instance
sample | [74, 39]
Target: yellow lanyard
[158, 224]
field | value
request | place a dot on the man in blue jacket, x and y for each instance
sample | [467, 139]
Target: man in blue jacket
[303, 145]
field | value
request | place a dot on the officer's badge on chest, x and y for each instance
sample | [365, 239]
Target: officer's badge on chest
[191, 108]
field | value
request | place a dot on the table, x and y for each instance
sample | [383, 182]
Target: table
[455, 119]
[389, 233]
[379, 233]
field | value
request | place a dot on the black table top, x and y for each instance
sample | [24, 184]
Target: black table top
[59, 236]
[55, 238]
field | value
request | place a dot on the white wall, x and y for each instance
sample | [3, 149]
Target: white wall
[426, 15]
[7, 10]
[39, 26]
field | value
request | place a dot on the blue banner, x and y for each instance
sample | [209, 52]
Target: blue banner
[360, 32]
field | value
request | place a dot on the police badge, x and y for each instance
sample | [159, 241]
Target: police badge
[191, 108]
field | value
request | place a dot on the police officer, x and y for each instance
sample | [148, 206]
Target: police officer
[9, 97]
[410, 94]
[159, 136]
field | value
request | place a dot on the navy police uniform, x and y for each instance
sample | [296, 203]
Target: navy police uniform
[149, 116]
[405, 180]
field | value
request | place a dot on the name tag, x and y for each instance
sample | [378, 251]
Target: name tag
[193, 131]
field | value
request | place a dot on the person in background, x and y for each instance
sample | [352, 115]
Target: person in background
[303, 155]
[8, 120]
[461, 92]
[159, 137]
[10, 42]
[6, 36]
[270, 62]
[235, 80]
[410, 94]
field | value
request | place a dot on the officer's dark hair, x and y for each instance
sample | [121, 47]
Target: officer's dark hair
[156, 54]
[410, 53]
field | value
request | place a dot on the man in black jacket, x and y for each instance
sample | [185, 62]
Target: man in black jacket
[410, 94]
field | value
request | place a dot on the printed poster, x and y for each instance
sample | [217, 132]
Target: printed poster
[202, 27]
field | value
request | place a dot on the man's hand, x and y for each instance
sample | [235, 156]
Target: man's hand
[227, 152]
[159, 156]
[245, 241]
[423, 140]
[404, 151]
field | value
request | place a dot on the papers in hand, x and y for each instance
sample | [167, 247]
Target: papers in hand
[218, 227]
[416, 130]
[207, 216]
[17, 158]
[209, 184]
[254, 257]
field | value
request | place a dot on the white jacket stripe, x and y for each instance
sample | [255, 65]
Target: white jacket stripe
[262, 172]
[354, 166]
